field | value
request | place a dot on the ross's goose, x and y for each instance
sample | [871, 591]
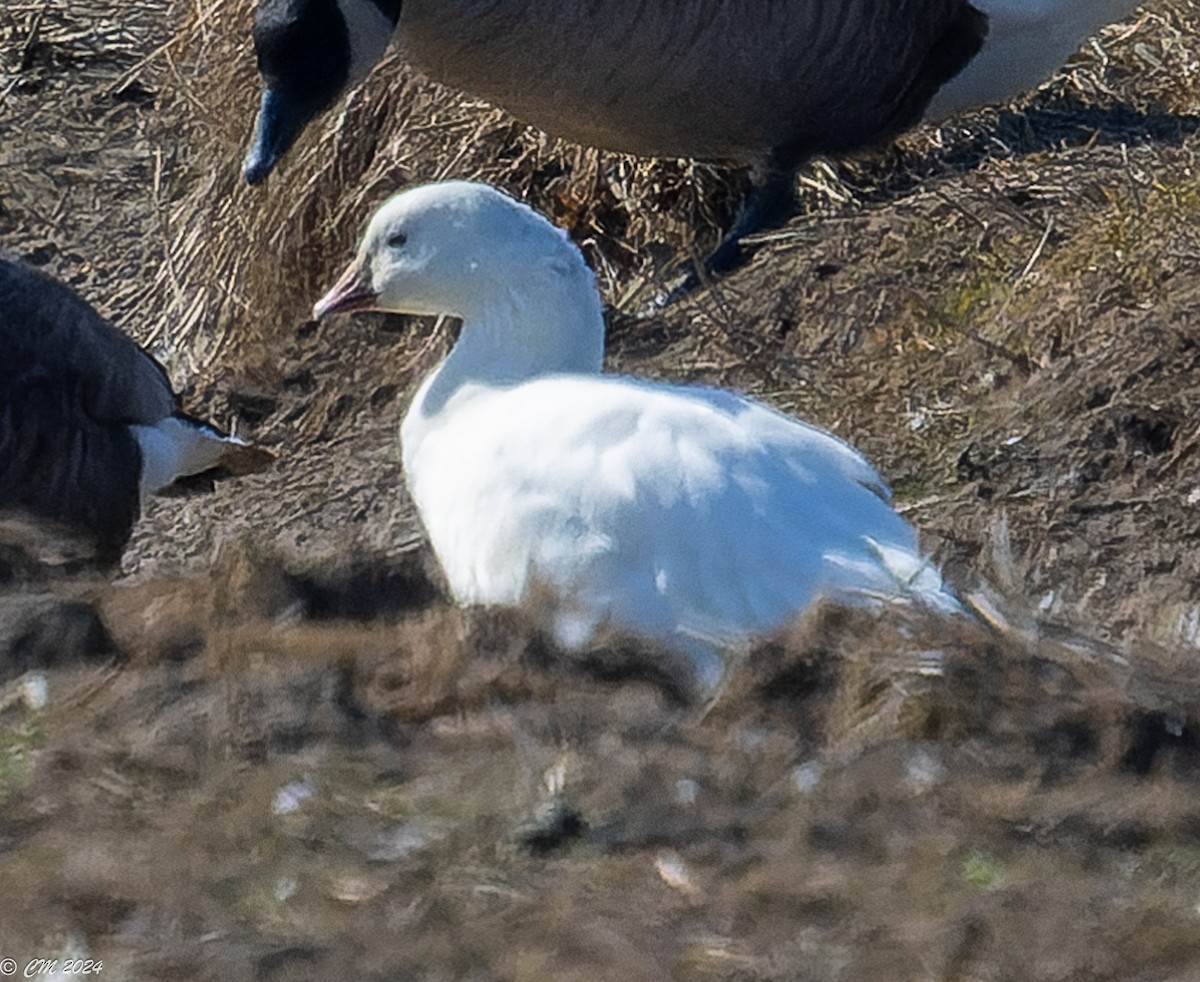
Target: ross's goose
[693, 518]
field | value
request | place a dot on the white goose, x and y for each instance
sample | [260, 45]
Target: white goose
[690, 517]
[89, 424]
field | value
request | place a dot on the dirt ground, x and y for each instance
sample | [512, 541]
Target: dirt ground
[271, 749]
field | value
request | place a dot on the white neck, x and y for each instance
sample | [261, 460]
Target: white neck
[550, 324]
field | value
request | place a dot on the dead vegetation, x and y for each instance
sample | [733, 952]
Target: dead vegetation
[258, 792]
[271, 750]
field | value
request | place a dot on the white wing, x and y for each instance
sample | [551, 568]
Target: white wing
[668, 511]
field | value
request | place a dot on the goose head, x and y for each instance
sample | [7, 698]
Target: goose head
[309, 52]
[456, 248]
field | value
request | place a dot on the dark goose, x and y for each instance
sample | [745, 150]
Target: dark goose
[89, 423]
[761, 83]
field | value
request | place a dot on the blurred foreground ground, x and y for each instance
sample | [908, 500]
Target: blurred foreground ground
[271, 750]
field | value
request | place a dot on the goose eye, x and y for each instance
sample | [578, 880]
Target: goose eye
[397, 239]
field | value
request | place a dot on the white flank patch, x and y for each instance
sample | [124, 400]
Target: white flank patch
[173, 448]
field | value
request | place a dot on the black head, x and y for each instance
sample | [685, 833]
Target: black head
[308, 52]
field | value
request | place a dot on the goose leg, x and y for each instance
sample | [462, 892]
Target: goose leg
[769, 203]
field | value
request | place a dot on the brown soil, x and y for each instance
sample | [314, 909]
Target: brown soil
[272, 749]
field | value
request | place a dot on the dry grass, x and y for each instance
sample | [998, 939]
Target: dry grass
[1001, 312]
[80, 162]
[257, 793]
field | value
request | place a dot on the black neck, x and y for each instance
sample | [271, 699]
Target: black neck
[389, 8]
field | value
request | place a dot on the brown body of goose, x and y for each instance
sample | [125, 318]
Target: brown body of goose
[764, 83]
[89, 422]
[733, 80]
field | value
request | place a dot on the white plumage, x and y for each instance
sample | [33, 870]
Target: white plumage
[690, 517]
[1027, 41]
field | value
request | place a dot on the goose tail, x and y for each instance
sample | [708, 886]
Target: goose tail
[180, 446]
[916, 577]
[951, 53]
